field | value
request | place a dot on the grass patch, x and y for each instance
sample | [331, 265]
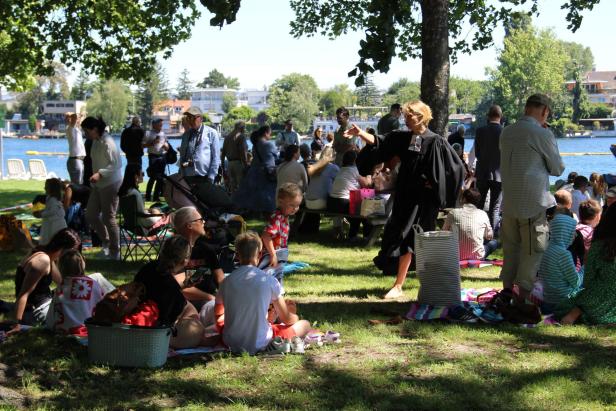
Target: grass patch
[409, 366]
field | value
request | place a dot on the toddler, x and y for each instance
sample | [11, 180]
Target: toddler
[74, 300]
[276, 233]
[244, 298]
[590, 215]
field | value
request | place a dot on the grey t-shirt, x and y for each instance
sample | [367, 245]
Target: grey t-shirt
[246, 295]
[320, 185]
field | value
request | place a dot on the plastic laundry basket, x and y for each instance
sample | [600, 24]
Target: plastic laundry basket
[128, 345]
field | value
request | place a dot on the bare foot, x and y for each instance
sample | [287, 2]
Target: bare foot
[395, 292]
[571, 317]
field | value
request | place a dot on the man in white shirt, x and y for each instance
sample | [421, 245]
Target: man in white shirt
[529, 155]
[287, 137]
[76, 149]
[156, 144]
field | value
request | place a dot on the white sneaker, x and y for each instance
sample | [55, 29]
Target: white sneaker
[297, 345]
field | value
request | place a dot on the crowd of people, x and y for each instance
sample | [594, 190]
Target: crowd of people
[566, 241]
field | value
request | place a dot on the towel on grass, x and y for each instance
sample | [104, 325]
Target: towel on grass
[480, 263]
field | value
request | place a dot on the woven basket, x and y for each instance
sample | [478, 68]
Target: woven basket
[438, 268]
[127, 345]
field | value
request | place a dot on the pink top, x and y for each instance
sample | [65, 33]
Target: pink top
[586, 231]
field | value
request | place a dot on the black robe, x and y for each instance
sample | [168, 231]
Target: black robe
[430, 177]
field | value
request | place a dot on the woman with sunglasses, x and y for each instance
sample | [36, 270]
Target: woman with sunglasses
[430, 177]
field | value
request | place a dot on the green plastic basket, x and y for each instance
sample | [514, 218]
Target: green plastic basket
[128, 346]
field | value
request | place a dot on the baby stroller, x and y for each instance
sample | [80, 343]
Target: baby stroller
[221, 227]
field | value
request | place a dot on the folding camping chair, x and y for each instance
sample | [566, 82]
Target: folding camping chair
[139, 244]
[38, 171]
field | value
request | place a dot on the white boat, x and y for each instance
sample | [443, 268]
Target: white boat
[600, 127]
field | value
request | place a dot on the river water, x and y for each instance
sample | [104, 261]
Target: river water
[17, 148]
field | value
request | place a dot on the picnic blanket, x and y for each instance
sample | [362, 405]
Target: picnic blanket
[480, 263]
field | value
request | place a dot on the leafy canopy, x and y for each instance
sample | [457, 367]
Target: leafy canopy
[216, 79]
[294, 96]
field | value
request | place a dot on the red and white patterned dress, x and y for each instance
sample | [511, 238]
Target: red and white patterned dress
[278, 228]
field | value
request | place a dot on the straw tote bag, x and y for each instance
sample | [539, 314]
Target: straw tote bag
[438, 267]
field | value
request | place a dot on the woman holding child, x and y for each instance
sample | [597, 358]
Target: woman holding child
[430, 177]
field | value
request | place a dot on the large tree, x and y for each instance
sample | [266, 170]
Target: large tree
[216, 79]
[110, 100]
[184, 85]
[151, 92]
[368, 94]
[337, 96]
[466, 95]
[83, 87]
[294, 96]
[531, 61]
[401, 91]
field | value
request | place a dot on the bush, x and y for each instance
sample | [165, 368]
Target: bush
[564, 126]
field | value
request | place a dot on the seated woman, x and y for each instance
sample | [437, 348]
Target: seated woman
[557, 270]
[74, 199]
[472, 227]
[291, 170]
[596, 302]
[321, 184]
[150, 220]
[53, 213]
[348, 179]
[162, 287]
[35, 274]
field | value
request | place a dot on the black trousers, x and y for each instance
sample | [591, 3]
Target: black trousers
[341, 205]
[156, 172]
[495, 189]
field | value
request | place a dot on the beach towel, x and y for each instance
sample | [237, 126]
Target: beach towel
[480, 263]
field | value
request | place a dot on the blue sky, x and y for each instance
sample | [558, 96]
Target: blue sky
[257, 48]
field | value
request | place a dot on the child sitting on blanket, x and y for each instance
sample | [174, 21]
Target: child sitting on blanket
[276, 233]
[557, 270]
[74, 300]
[243, 299]
[590, 215]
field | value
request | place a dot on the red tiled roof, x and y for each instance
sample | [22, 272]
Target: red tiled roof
[608, 78]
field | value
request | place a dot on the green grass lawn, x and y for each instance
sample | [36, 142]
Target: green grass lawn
[411, 366]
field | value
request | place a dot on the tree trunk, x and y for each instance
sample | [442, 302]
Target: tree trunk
[435, 62]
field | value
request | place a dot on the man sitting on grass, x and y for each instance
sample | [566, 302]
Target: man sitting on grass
[243, 300]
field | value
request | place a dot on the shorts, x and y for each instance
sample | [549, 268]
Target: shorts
[283, 331]
[524, 240]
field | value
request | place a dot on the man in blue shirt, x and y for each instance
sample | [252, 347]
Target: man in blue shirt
[200, 159]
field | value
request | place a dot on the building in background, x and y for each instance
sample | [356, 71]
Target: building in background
[600, 86]
[171, 112]
[210, 100]
[54, 111]
[253, 98]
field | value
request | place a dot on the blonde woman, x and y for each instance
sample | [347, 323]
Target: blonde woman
[430, 177]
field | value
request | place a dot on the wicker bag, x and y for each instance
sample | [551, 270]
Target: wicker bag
[438, 267]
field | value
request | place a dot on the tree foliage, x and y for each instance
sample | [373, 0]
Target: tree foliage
[151, 91]
[367, 94]
[110, 100]
[581, 59]
[465, 95]
[52, 87]
[337, 96]
[83, 87]
[216, 79]
[294, 96]
[184, 85]
[229, 101]
[243, 113]
[401, 91]
[109, 38]
[530, 62]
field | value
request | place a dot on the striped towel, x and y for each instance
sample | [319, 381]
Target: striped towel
[425, 312]
[480, 263]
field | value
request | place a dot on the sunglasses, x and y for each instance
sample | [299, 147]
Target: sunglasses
[198, 219]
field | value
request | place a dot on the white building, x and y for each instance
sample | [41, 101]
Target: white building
[54, 111]
[210, 100]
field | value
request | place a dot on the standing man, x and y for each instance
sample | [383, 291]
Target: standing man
[457, 136]
[341, 143]
[156, 144]
[131, 142]
[76, 149]
[200, 159]
[235, 150]
[487, 171]
[390, 121]
[529, 155]
[287, 137]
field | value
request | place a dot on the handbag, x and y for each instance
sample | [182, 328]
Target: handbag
[171, 156]
[438, 267]
[372, 206]
[356, 197]
[270, 172]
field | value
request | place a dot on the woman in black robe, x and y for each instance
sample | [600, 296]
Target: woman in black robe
[430, 177]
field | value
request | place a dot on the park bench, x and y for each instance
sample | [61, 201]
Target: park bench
[377, 222]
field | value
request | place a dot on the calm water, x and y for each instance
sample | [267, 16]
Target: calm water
[15, 148]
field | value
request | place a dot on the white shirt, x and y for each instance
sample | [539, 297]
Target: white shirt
[472, 226]
[151, 136]
[76, 148]
[106, 161]
[246, 295]
[577, 197]
[346, 180]
[73, 302]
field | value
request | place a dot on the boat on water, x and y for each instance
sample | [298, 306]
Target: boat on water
[600, 127]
